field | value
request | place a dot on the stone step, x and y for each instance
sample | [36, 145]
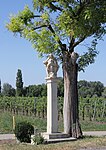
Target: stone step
[55, 135]
[60, 140]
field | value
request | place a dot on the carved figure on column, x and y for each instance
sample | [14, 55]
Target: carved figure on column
[51, 66]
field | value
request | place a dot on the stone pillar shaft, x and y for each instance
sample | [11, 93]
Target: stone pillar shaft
[52, 111]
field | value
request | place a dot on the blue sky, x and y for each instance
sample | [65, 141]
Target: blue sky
[17, 53]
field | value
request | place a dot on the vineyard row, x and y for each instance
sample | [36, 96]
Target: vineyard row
[91, 108]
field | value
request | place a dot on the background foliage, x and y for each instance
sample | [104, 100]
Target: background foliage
[89, 108]
[85, 89]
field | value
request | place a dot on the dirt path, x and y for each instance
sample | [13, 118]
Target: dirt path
[95, 133]
[10, 141]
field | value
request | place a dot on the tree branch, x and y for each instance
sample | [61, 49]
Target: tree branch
[36, 16]
[39, 27]
[51, 29]
[71, 44]
[79, 41]
[74, 44]
[82, 6]
[80, 2]
[52, 6]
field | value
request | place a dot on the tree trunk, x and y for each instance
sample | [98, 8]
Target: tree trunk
[70, 109]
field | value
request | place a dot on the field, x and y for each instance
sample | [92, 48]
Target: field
[94, 120]
[92, 109]
[6, 123]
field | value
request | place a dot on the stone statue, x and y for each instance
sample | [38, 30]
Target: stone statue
[51, 66]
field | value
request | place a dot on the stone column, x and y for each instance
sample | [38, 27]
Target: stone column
[52, 112]
[51, 79]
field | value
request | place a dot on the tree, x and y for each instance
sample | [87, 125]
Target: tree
[104, 93]
[0, 86]
[89, 89]
[58, 27]
[8, 90]
[83, 89]
[97, 88]
[44, 90]
[19, 83]
[36, 90]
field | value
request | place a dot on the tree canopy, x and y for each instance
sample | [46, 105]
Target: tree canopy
[8, 90]
[54, 23]
[90, 89]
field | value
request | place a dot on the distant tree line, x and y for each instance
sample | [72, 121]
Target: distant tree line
[85, 88]
[90, 89]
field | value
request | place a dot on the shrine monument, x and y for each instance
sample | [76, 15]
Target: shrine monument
[52, 134]
[51, 79]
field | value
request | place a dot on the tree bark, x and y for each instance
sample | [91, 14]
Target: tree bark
[70, 109]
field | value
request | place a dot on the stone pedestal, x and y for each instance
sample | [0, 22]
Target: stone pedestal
[52, 112]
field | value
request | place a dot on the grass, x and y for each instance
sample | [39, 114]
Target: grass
[6, 126]
[6, 123]
[93, 126]
[87, 142]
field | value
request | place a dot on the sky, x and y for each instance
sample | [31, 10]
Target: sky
[17, 53]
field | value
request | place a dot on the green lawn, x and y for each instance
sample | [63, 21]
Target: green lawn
[6, 123]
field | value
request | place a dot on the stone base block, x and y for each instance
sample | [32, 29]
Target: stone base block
[57, 137]
[54, 135]
[54, 138]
